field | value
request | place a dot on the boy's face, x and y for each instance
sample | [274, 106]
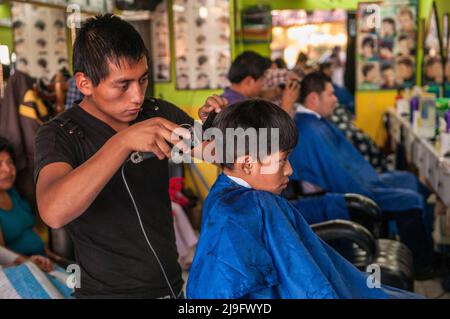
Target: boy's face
[405, 72]
[372, 76]
[406, 23]
[272, 175]
[387, 29]
[435, 72]
[367, 51]
[389, 77]
[403, 47]
[386, 53]
[120, 95]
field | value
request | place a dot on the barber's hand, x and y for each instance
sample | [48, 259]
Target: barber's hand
[154, 135]
[214, 103]
[42, 262]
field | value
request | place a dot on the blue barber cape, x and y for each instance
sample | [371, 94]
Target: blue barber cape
[324, 157]
[317, 209]
[254, 244]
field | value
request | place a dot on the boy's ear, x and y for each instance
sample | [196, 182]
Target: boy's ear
[245, 164]
[84, 83]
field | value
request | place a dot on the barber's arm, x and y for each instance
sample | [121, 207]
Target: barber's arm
[64, 193]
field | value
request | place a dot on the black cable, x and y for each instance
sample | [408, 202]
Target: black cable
[144, 232]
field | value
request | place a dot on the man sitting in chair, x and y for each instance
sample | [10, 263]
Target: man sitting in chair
[324, 160]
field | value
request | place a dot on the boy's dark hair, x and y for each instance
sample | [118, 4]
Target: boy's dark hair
[313, 82]
[386, 66]
[248, 63]
[103, 39]
[387, 45]
[368, 41]
[406, 11]
[367, 68]
[402, 37]
[389, 20]
[6, 146]
[406, 61]
[269, 116]
[431, 61]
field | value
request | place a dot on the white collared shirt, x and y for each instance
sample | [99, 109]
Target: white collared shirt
[302, 109]
[239, 181]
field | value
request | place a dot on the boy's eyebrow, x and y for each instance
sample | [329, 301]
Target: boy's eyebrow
[126, 80]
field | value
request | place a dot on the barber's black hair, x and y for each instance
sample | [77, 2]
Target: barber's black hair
[103, 39]
[6, 146]
[313, 82]
[256, 114]
[248, 63]
[367, 68]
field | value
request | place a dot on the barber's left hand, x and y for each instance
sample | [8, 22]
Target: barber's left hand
[214, 103]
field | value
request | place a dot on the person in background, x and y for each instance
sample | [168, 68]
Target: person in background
[345, 98]
[325, 159]
[17, 223]
[73, 94]
[246, 75]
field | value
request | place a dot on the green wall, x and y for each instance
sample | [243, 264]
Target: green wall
[6, 36]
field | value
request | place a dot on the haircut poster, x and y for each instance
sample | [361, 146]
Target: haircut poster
[40, 42]
[161, 44]
[202, 43]
[386, 44]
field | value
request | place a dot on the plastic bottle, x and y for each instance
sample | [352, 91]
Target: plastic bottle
[427, 122]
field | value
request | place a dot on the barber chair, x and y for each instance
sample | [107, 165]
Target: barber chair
[61, 244]
[394, 258]
[362, 210]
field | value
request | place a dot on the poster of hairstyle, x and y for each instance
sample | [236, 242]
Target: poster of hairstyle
[40, 40]
[97, 6]
[386, 44]
[432, 66]
[161, 44]
[202, 43]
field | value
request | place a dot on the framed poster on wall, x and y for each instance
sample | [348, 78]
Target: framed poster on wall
[202, 43]
[161, 44]
[386, 44]
[432, 65]
[40, 41]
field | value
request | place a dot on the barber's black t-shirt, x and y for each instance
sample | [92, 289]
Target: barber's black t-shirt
[112, 252]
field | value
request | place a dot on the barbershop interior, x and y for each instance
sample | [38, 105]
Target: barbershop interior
[97, 200]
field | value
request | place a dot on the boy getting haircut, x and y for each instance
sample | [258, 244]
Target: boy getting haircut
[254, 243]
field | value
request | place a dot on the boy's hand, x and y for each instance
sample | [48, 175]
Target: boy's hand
[213, 103]
[153, 135]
